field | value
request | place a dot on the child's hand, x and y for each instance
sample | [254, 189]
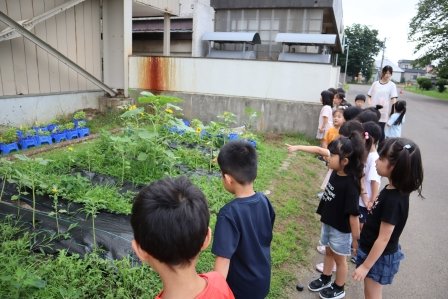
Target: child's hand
[292, 148]
[360, 273]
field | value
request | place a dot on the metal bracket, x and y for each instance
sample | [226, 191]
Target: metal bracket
[10, 33]
[61, 57]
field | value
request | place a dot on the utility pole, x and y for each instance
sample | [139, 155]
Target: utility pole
[346, 61]
[382, 59]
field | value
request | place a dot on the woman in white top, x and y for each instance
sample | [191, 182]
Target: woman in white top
[383, 92]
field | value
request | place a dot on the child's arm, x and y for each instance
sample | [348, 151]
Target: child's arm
[354, 226]
[375, 187]
[309, 149]
[222, 266]
[324, 124]
[386, 230]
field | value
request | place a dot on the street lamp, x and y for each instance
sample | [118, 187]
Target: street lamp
[346, 61]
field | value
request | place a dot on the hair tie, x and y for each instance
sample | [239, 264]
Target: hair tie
[366, 135]
[407, 146]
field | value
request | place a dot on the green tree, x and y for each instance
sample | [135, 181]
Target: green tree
[364, 45]
[429, 30]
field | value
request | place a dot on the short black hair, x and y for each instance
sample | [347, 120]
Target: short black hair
[351, 112]
[369, 114]
[360, 97]
[170, 219]
[348, 127]
[404, 155]
[239, 159]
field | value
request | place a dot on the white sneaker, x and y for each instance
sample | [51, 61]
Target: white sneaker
[321, 249]
[320, 267]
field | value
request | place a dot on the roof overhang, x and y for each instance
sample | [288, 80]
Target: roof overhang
[306, 39]
[233, 37]
[148, 8]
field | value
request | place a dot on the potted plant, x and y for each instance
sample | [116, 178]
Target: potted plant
[79, 118]
[8, 141]
[43, 136]
[83, 130]
[58, 133]
[26, 138]
[70, 130]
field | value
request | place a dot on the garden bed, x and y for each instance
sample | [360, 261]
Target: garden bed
[71, 205]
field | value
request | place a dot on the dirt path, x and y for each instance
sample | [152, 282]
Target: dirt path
[305, 271]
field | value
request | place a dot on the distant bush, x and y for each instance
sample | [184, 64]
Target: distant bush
[424, 83]
[441, 84]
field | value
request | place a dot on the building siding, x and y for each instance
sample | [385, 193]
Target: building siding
[27, 69]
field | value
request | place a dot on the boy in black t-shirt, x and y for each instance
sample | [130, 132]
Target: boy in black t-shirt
[243, 231]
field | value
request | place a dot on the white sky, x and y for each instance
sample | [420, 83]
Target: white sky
[390, 17]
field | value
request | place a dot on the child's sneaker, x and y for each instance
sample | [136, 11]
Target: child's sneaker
[320, 267]
[321, 249]
[318, 284]
[332, 292]
[353, 259]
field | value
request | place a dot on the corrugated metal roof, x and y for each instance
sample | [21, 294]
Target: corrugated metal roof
[156, 25]
[306, 38]
[249, 37]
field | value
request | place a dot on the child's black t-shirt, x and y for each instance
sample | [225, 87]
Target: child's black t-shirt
[391, 207]
[339, 201]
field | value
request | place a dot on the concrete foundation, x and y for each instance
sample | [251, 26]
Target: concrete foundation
[107, 104]
[278, 116]
[27, 110]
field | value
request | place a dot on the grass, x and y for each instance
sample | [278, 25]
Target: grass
[433, 93]
[291, 181]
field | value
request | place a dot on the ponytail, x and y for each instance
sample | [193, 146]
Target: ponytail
[400, 106]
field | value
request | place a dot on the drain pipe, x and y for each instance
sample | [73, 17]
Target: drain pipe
[46, 47]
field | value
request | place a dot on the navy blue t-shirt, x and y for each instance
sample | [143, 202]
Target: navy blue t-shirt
[243, 234]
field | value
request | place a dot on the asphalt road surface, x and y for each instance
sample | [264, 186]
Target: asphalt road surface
[424, 271]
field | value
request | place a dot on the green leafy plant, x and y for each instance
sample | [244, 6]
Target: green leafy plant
[29, 177]
[424, 83]
[8, 136]
[6, 169]
[79, 115]
[441, 84]
[69, 126]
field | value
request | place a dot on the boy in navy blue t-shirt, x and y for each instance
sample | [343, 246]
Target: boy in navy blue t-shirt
[243, 231]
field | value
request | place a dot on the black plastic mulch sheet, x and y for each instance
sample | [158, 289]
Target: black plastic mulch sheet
[113, 232]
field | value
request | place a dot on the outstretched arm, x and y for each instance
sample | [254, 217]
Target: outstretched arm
[309, 149]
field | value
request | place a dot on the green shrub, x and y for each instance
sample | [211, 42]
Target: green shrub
[424, 83]
[8, 136]
[441, 84]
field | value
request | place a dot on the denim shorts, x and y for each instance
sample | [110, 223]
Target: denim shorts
[385, 268]
[363, 214]
[339, 242]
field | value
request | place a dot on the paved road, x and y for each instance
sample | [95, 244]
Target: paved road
[424, 272]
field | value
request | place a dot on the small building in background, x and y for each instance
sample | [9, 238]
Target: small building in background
[410, 72]
[397, 73]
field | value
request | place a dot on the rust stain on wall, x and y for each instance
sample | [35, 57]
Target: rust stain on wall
[153, 73]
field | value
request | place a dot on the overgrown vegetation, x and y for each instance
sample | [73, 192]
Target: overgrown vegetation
[153, 144]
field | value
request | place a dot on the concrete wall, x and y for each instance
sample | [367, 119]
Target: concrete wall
[276, 115]
[291, 81]
[203, 21]
[26, 110]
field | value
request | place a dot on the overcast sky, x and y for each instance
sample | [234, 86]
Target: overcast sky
[390, 17]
